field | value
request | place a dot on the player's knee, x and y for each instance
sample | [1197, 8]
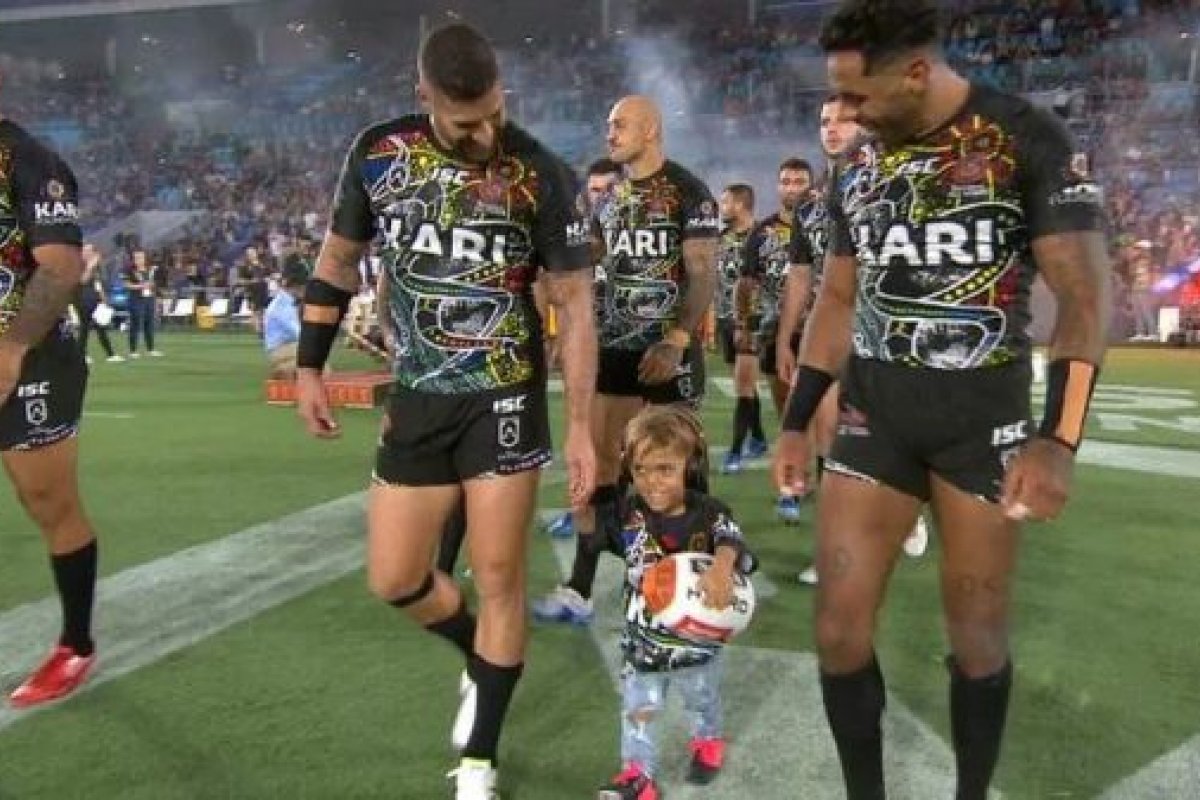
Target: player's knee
[50, 507]
[843, 637]
[980, 647]
[399, 588]
[497, 579]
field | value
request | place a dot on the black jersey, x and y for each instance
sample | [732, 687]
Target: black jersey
[460, 246]
[39, 205]
[942, 230]
[766, 261]
[644, 224]
[730, 254]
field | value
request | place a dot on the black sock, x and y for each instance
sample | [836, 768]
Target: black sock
[820, 468]
[978, 709]
[452, 539]
[583, 568]
[741, 423]
[854, 705]
[756, 429]
[458, 629]
[75, 577]
[494, 691]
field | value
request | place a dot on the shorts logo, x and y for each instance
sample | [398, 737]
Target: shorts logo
[36, 412]
[508, 431]
[1006, 458]
[509, 405]
[1010, 434]
[852, 422]
[685, 387]
[27, 390]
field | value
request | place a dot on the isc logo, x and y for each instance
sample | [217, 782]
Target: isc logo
[34, 389]
[509, 405]
[1009, 434]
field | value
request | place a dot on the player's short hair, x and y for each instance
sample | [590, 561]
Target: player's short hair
[743, 193]
[881, 29]
[459, 62]
[796, 164]
[603, 166]
[667, 427]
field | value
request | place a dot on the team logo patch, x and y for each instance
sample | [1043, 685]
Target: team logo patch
[36, 412]
[1080, 166]
[508, 431]
[55, 190]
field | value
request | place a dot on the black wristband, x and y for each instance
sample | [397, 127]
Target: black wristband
[807, 391]
[1069, 386]
[324, 308]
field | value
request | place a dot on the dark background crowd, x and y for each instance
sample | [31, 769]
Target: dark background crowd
[218, 151]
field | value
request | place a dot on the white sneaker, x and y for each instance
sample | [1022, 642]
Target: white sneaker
[88, 360]
[808, 576]
[115, 359]
[464, 720]
[564, 604]
[135, 355]
[918, 541]
[156, 353]
[474, 780]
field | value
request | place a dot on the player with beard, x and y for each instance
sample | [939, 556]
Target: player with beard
[469, 207]
[838, 132]
[737, 339]
[659, 234]
[938, 227]
[764, 266]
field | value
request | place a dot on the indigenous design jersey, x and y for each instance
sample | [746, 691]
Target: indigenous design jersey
[730, 255]
[646, 538]
[643, 225]
[460, 246]
[810, 241]
[766, 261]
[942, 232]
[38, 206]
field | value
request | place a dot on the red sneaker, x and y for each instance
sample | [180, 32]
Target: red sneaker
[59, 675]
[631, 784]
[708, 756]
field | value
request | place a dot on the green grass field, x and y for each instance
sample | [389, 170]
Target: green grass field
[329, 695]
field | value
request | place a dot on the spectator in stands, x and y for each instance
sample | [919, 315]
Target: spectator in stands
[141, 281]
[281, 323]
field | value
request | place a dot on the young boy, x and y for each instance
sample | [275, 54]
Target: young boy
[665, 458]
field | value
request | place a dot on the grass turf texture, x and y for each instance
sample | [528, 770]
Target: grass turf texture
[331, 696]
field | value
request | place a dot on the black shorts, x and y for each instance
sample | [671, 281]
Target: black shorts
[442, 439]
[45, 405]
[897, 424]
[768, 350]
[725, 338]
[617, 375]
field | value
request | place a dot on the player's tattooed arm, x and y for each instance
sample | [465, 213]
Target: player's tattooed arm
[570, 293]
[339, 260]
[700, 263]
[827, 336]
[1076, 267]
[47, 294]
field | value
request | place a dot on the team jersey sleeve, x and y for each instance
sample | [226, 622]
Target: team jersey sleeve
[725, 532]
[700, 217]
[800, 248]
[352, 217]
[1058, 190]
[561, 235]
[47, 197]
[837, 229]
[752, 266]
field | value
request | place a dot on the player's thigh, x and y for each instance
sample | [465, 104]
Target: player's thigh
[404, 526]
[745, 374]
[980, 549]
[615, 412]
[861, 525]
[46, 480]
[499, 511]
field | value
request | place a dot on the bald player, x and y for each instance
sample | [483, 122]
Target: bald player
[658, 232]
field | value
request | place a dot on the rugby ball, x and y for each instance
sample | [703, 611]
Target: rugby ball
[671, 589]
